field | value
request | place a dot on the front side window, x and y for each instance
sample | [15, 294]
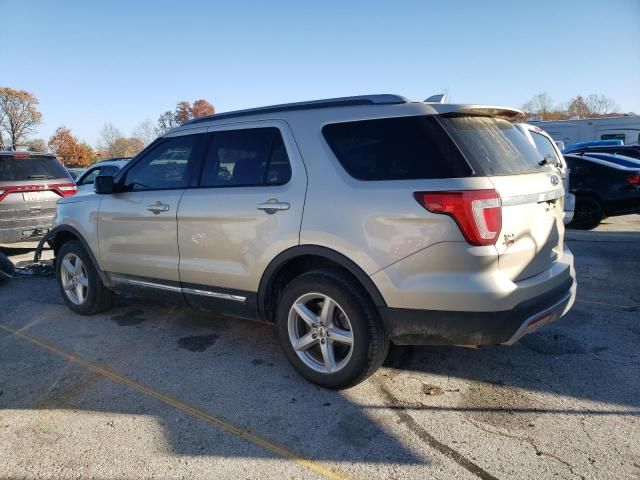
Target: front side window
[165, 167]
[247, 157]
[545, 147]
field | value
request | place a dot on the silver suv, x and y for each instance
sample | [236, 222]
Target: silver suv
[349, 223]
[30, 185]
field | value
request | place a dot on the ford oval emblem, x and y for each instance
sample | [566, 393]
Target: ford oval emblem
[554, 180]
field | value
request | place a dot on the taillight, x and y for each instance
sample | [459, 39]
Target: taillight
[67, 189]
[478, 213]
[62, 189]
[634, 179]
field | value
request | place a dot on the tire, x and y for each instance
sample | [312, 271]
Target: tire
[96, 297]
[588, 213]
[353, 318]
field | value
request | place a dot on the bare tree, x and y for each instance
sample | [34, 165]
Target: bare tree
[20, 115]
[37, 145]
[145, 131]
[577, 107]
[600, 104]
[109, 134]
[166, 122]
[541, 104]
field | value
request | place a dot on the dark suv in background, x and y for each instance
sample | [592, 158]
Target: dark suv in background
[30, 186]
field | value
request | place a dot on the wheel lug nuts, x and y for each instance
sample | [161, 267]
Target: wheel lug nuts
[314, 336]
[315, 325]
[322, 341]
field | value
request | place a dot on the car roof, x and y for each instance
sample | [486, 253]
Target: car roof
[116, 162]
[360, 101]
[603, 162]
[25, 152]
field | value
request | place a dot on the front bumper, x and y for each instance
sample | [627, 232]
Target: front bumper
[434, 327]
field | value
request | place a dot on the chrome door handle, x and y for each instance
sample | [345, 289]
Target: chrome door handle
[158, 207]
[273, 205]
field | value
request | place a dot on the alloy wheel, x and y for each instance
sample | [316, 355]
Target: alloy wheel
[320, 333]
[74, 279]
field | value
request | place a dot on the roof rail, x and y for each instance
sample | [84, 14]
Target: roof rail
[380, 99]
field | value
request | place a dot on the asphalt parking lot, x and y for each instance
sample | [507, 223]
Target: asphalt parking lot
[151, 390]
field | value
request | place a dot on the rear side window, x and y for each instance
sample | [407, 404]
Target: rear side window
[247, 157]
[30, 168]
[396, 149]
[545, 147]
[493, 146]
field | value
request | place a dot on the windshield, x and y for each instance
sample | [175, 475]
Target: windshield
[30, 168]
[493, 146]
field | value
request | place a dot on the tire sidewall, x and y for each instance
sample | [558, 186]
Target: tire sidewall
[92, 276]
[352, 307]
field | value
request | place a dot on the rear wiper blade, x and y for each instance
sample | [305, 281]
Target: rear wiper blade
[40, 177]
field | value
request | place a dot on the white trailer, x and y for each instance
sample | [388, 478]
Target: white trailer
[626, 128]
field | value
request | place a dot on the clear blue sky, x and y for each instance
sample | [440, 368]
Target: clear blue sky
[91, 62]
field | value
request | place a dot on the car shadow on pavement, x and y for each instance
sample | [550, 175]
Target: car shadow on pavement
[590, 354]
[229, 368]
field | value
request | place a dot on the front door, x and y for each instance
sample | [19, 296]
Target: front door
[137, 227]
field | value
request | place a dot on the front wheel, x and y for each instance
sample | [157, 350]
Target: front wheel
[79, 282]
[330, 330]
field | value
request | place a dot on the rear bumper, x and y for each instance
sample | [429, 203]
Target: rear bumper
[18, 225]
[22, 234]
[433, 327]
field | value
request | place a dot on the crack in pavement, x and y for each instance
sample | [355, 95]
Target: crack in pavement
[539, 452]
[407, 420]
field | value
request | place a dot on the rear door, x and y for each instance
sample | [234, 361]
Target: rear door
[531, 192]
[137, 227]
[247, 209]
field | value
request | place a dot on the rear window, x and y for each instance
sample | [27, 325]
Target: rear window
[396, 149]
[493, 146]
[30, 168]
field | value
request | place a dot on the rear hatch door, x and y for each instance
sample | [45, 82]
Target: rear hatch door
[531, 192]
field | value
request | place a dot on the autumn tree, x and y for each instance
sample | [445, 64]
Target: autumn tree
[127, 147]
[19, 115]
[69, 150]
[37, 145]
[184, 112]
[202, 108]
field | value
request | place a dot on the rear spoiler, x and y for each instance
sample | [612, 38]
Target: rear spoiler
[506, 113]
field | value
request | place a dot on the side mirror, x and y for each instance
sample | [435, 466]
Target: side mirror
[104, 184]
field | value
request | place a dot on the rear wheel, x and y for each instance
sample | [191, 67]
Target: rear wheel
[588, 213]
[329, 329]
[79, 282]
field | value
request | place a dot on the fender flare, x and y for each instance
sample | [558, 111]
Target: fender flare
[50, 239]
[302, 250]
